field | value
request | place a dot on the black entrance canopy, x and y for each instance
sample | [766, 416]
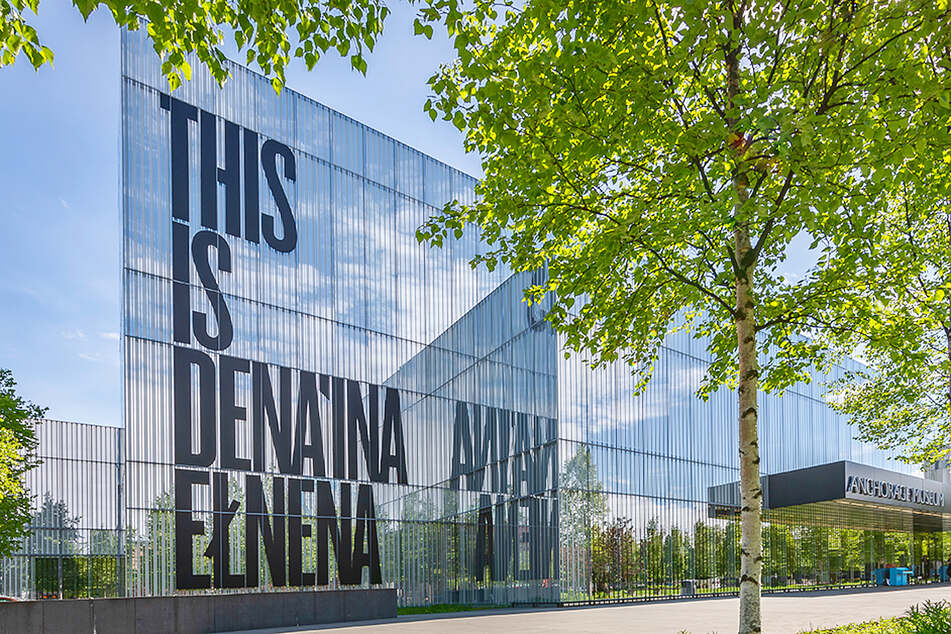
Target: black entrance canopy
[845, 494]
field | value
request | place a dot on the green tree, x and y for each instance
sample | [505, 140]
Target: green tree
[582, 508]
[270, 32]
[728, 558]
[56, 531]
[17, 457]
[652, 553]
[582, 501]
[615, 564]
[660, 157]
[908, 342]
[150, 554]
[676, 555]
[705, 540]
[414, 548]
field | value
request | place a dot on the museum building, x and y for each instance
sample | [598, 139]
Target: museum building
[313, 399]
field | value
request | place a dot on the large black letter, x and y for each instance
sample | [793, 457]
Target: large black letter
[336, 387]
[252, 220]
[483, 551]
[485, 449]
[208, 149]
[503, 434]
[329, 533]
[393, 453]
[181, 290]
[219, 549]
[309, 444]
[230, 177]
[184, 359]
[483, 439]
[461, 446]
[202, 241]
[366, 546]
[211, 175]
[345, 572]
[357, 429]
[522, 469]
[257, 522]
[181, 113]
[297, 530]
[230, 412]
[185, 528]
[269, 151]
[265, 409]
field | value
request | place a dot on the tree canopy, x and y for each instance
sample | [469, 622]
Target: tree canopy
[17, 457]
[660, 157]
[616, 155]
[901, 397]
[271, 33]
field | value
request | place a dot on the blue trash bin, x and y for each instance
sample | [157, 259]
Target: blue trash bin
[891, 576]
[899, 576]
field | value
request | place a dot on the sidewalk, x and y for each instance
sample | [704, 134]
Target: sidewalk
[782, 614]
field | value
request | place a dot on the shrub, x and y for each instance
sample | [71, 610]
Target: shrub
[931, 617]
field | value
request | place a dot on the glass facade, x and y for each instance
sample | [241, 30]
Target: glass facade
[312, 399]
[74, 547]
[637, 519]
[307, 388]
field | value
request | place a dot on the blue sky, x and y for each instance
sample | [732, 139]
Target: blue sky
[59, 246]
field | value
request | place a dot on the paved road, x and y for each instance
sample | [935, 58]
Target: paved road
[783, 614]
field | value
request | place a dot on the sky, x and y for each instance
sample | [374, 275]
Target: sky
[59, 192]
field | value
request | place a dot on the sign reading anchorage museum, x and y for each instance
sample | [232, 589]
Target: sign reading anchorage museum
[279, 382]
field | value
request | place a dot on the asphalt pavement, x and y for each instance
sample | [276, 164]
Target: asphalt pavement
[782, 614]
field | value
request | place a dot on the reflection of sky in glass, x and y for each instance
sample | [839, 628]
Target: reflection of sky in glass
[668, 442]
[358, 297]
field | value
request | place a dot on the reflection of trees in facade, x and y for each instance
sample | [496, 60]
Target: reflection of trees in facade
[705, 551]
[151, 554]
[415, 551]
[429, 547]
[441, 555]
[435, 552]
[447, 546]
[68, 561]
[54, 530]
[652, 551]
[425, 550]
[582, 509]
[615, 563]
[73, 548]
[677, 555]
[629, 554]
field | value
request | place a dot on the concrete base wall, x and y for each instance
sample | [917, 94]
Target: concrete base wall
[196, 614]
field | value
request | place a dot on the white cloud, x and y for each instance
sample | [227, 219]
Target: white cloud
[100, 357]
[111, 336]
[73, 333]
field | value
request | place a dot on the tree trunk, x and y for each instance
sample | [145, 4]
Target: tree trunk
[751, 493]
